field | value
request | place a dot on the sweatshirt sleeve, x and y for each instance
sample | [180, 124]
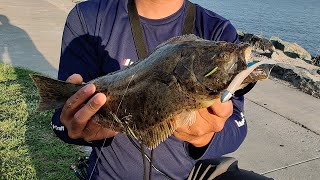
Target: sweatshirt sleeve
[232, 135]
[78, 55]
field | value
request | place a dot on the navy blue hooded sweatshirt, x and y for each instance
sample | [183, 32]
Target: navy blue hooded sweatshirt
[97, 40]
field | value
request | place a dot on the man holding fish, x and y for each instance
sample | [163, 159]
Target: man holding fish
[102, 36]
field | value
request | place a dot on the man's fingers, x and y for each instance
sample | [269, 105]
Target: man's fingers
[73, 104]
[77, 116]
[75, 79]
[95, 103]
[82, 117]
[94, 131]
[78, 99]
[91, 130]
[222, 110]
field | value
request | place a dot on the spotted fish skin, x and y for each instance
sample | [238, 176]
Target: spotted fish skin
[144, 98]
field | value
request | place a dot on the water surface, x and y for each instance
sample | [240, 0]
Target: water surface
[291, 20]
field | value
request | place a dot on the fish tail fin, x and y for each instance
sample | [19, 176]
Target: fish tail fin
[53, 93]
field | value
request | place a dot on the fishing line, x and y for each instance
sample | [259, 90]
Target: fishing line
[95, 164]
[150, 165]
[144, 162]
[143, 154]
[125, 92]
[291, 165]
[149, 159]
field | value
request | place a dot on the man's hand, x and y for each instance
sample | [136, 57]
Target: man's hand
[77, 117]
[208, 121]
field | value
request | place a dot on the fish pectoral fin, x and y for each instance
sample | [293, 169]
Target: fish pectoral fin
[186, 118]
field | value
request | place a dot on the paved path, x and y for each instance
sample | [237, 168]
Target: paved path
[30, 36]
[275, 115]
[30, 33]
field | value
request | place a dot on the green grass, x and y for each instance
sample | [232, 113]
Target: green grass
[28, 146]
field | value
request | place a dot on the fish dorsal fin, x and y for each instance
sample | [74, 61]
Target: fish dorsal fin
[179, 39]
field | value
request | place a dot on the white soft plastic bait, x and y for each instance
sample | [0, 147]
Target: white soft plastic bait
[237, 81]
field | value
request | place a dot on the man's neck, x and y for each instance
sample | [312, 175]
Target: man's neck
[157, 9]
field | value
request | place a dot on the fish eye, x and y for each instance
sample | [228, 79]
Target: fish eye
[212, 91]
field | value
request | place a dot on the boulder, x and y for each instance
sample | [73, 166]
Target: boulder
[256, 41]
[292, 50]
[316, 61]
[298, 77]
[295, 64]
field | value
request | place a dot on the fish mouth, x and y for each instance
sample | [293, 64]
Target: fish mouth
[257, 74]
[261, 72]
[258, 71]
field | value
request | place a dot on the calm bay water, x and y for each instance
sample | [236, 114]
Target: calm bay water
[291, 20]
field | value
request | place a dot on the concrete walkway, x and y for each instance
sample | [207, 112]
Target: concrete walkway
[275, 115]
[284, 124]
[31, 31]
